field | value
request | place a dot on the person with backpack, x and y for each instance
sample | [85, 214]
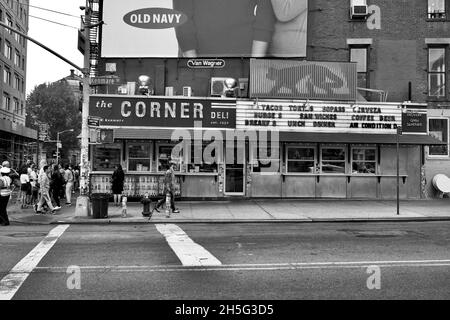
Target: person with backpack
[5, 193]
[69, 178]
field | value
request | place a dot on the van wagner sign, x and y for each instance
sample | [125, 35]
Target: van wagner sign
[162, 112]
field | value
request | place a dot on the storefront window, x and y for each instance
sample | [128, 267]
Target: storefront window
[165, 155]
[106, 157]
[438, 128]
[196, 164]
[364, 160]
[139, 156]
[333, 159]
[301, 159]
[264, 161]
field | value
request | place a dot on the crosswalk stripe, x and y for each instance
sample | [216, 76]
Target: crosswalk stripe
[11, 283]
[190, 253]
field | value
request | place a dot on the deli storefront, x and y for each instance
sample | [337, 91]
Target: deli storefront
[256, 148]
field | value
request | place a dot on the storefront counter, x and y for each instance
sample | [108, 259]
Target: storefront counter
[188, 184]
[291, 185]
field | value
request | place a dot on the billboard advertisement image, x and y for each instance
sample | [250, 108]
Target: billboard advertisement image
[204, 28]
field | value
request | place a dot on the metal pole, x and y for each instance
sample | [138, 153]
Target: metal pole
[37, 146]
[57, 147]
[82, 207]
[398, 170]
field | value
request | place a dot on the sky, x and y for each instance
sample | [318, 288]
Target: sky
[43, 66]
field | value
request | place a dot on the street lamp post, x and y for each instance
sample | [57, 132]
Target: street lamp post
[58, 143]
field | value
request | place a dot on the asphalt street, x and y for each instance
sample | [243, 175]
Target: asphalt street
[246, 261]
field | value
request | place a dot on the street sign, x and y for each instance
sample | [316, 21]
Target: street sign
[105, 80]
[414, 121]
[59, 145]
[81, 42]
[93, 122]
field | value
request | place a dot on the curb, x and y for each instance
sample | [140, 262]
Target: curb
[248, 221]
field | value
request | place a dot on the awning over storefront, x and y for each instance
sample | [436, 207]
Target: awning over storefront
[156, 134]
[165, 134]
[358, 138]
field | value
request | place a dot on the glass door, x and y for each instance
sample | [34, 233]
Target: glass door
[234, 170]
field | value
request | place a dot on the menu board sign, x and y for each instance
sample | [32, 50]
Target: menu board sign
[317, 116]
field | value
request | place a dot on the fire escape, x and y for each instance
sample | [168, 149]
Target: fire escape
[94, 7]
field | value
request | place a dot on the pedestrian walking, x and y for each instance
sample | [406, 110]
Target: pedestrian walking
[25, 187]
[169, 188]
[44, 182]
[5, 193]
[76, 182]
[117, 180]
[34, 184]
[69, 178]
[56, 184]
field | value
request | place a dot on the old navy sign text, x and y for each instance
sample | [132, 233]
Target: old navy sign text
[155, 18]
[163, 112]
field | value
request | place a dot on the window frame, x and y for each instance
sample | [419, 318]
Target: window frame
[7, 75]
[444, 73]
[365, 147]
[366, 47]
[438, 156]
[333, 146]
[131, 142]
[255, 158]
[113, 146]
[168, 144]
[302, 146]
[441, 15]
[6, 101]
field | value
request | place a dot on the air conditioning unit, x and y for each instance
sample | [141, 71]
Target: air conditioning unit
[358, 9]
[123, 89]
[217, 86]
[187, 91]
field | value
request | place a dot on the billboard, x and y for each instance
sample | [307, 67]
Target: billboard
[303, 80]
[204, 28]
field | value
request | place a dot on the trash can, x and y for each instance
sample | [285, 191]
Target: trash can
[100, 205]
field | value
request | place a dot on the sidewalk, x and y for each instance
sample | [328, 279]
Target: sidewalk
[245, 211]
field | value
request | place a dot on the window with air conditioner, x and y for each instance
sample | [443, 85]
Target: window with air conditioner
[358, 9]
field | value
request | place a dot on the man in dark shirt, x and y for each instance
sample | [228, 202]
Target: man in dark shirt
[231, 28]
[169, 188]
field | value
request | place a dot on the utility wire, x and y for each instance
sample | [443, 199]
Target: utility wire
[59, 12]
[62, 24]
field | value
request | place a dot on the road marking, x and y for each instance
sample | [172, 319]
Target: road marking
[256, 267]
[11, 283]
[189, 252]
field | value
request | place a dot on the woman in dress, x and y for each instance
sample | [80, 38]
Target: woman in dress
[117, 181]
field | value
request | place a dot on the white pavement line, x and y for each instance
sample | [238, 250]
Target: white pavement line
[190, 253]
[11, 283]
